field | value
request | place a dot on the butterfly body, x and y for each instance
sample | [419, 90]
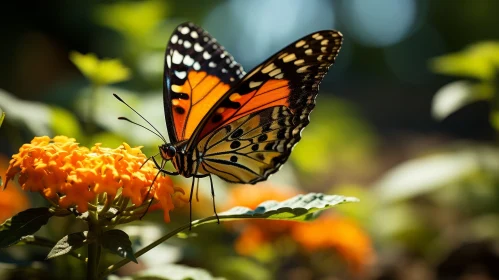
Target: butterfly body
[240, 127]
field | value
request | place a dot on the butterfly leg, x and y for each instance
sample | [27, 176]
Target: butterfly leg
[148, 192]
[190, 196]
[213, 198]
[163, 170]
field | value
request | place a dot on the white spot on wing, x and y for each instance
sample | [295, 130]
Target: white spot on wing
[174, 38]
[180, 74]
[169, 61]
[212, 64]
[187, 44]
[194, 34]
[206, 55]
[196, 66]
[188, 60]
[184, 30]
[198, 48]
[177, 57]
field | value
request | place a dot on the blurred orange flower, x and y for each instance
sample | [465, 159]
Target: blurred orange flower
[258, 232]
[71, 176]
[12, 200]
[338, 233]
[326, 233]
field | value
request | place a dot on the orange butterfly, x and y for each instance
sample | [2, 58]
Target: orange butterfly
[240, 127]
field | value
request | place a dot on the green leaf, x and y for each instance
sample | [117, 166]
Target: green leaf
[100, 71]
[1, 118]
[25, 223]
[456, 95]
[175, 272]
[298, 208]
[69, 243]
[477, 61]
[118, 242]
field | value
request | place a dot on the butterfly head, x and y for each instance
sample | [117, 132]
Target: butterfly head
[168, 151]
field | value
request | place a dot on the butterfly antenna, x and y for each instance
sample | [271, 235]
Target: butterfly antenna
[130, 121]
[122, 118]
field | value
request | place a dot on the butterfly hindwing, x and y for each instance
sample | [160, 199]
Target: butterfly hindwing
[250, 149]
[198, 72]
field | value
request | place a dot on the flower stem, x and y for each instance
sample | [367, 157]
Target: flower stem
[94, 251]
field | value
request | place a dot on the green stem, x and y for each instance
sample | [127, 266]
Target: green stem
[94, 249]
[144, 250]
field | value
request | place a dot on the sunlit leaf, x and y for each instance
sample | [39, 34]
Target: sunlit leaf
[24, 223]
[2, 116]
[299, 208]
[175, 272]
[425, 174]
[100, 71]
[477, 61]
[133, 19]
[69, 243]
[118, 242]
[456, 95]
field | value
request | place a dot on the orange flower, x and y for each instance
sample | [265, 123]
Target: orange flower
[71, 176]
[338, 233]
[12, 200]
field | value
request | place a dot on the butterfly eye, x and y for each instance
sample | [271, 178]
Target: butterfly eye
[168, 151]
[171, 151]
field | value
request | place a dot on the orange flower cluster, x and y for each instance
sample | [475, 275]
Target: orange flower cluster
[68, 175]
[329, 232]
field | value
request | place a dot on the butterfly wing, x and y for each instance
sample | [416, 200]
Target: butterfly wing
[198, 72]
[251, 131]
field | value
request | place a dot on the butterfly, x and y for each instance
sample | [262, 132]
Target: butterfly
[238, 126]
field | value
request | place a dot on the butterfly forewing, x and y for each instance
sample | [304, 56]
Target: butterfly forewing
[251, 131]
[198, 72]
